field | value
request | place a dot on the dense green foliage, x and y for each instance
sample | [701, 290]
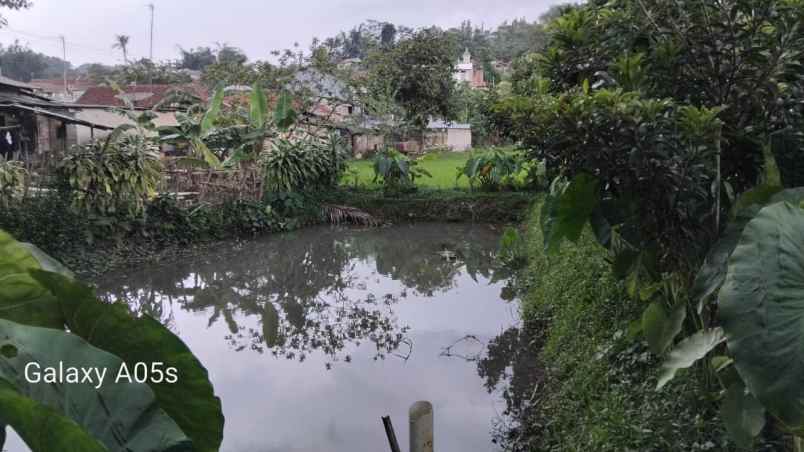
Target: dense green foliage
[12, 179]
[491, 170]
[417, 75]
[396, 172]
[598, 387]
[19, 62]
[303, 165]
[115, 175]
[653, 118]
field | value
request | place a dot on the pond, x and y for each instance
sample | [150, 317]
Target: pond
[310, 337]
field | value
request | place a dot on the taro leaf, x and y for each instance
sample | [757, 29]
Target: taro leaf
[22, 299]
[191, 402]
[743, 415]
[565, 213]
[24, 415]
[792, 195]
[762, 310]
[660, 328]
[713, 271]
[687, 352]
[124, 416]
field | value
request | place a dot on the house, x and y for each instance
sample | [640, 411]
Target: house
[33, 126]
[451, 135]
[466, 72]
[99, 104]
[56, 89]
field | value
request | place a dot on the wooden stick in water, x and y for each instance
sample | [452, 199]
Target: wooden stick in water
[389, 432]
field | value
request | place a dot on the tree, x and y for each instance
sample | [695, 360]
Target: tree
[388, 35]
[15, 5]
[21, 63]
[418, 73]
[121, 42]
[196, 59]
[229, 55]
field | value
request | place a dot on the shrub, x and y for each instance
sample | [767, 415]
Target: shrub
[303, 165]
[652, 163]
[12, 179]
[490, 170]
[112, 176]
[395, 172]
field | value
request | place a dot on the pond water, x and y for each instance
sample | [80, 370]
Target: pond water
[311, 337]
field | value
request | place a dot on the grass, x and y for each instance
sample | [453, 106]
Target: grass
[598, 392]
[442, 165]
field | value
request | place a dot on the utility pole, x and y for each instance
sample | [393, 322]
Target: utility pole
[151, 53]
[64, 60]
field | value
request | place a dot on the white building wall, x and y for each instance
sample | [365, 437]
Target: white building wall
[459, 139]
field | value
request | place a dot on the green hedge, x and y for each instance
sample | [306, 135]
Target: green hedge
[598, 390]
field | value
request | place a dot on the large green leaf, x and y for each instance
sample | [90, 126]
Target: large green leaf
[22, 299]
[27, 416]
[284, 114]
[258, 112]
[687, 352]
[762, 310]
[742, 414]
[567, 210]
[713, 271]
[191, 402]
[660, 328]
[122, 415]
[213, 110]
[205, 153]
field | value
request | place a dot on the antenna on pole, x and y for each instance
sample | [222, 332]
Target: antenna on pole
[151, 52]
[64, 62]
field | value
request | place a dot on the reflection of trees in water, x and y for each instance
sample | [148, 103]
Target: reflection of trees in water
[305, 289]
[509, 366]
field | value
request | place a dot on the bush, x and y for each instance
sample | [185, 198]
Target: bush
[653, 162]
[491, 170]
[395, 172]
[112, 176]
[303, 165]
[598, 391]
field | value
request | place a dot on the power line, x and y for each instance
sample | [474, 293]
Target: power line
[57, 41]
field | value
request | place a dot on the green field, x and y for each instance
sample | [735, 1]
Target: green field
[443, 166]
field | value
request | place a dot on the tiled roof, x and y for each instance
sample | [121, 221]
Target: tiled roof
[56, 85]
[142, 96]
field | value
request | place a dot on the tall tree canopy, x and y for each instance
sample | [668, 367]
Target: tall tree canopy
[15, 5]
[417, 74]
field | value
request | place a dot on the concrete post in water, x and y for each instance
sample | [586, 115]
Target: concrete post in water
[421, 427]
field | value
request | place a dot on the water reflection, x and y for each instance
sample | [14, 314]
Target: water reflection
[312, 292]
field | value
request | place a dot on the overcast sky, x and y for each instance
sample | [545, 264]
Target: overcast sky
[256, 26]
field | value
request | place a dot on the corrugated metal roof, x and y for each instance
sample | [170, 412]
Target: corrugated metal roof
[53, 114]
[16, 84]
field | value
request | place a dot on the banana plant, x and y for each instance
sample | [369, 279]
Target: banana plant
[262, 125]
[193, 132]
